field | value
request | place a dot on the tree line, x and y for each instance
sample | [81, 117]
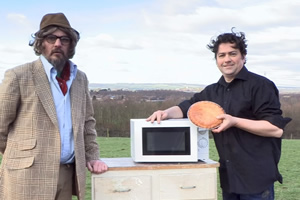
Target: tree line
[114, 109]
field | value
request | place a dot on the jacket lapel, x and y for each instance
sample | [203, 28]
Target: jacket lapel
[76, 94]
[43, 90]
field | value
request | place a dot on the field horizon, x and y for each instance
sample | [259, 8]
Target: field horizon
[169, 86]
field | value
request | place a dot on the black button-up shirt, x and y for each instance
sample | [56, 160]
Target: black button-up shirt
[248, 163]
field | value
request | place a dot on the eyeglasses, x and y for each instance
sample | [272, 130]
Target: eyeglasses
[63, 39]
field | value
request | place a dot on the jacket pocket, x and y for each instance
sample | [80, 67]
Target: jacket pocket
[27, 144]
[19, 163]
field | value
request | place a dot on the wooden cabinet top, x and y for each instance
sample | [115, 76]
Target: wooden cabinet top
[115, 164]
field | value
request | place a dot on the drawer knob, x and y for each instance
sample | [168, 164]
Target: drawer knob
[122, 190]
[188, 187]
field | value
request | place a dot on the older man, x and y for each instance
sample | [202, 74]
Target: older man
[47, 129]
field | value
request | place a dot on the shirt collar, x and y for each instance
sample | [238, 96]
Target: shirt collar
[242, 75]
[50, 69]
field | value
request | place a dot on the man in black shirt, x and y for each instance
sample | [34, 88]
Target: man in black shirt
[249, 139]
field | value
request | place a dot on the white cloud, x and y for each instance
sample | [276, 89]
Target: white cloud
[108, 41]
[19, 19]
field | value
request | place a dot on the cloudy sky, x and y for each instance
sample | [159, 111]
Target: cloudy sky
[160, 41]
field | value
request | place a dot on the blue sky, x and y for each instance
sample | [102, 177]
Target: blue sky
[160, 41]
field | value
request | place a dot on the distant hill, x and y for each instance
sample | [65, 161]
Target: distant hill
[147, 86]
[289, 89]
[167, 86]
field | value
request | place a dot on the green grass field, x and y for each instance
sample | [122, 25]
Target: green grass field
[289, 164]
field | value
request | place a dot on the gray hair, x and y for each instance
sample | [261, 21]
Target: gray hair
[39, 37]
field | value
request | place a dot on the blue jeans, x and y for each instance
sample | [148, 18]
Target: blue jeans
[268, 194]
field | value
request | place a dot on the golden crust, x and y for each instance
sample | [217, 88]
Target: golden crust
[204, 113]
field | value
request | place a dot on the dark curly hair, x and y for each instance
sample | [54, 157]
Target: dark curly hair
[236, 38]
[41, 34]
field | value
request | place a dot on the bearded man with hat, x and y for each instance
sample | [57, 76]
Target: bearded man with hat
[47, 128]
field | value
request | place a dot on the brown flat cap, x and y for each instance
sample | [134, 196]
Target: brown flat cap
[55, 19]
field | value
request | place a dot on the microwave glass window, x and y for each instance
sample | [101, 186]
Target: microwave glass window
[166, 141]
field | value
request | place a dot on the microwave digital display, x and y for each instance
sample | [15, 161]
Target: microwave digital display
[166, 141]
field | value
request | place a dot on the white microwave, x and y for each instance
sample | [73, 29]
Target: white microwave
[173, 140]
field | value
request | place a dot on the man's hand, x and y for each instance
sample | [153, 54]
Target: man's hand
[228, 121]
[158, 116]
[170, 113]
[96, 166]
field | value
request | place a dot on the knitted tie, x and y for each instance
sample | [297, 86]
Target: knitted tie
[63, 78]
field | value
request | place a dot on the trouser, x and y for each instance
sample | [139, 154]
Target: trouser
[65, 182]
[268, 194]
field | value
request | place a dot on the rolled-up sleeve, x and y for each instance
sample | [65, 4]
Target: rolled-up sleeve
[267, 105]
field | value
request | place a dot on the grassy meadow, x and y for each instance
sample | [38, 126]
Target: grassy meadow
[289, 164]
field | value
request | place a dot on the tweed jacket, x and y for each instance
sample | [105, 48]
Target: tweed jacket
[30, 138]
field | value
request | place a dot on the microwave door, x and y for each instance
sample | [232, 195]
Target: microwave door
[166, 141]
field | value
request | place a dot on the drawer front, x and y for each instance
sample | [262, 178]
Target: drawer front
[122, 188]
[188, 186]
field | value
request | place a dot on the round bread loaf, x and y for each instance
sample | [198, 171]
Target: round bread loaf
[204, 114]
